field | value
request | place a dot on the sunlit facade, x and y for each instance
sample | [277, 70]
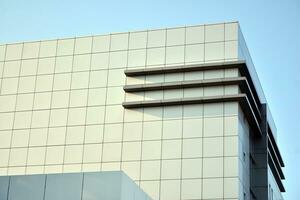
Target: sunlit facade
[179, 110]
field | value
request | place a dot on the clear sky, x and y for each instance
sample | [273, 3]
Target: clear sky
[271, 29]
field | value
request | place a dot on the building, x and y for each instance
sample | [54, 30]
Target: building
[179, 110]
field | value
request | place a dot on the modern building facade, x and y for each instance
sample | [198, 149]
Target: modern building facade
[179, 110]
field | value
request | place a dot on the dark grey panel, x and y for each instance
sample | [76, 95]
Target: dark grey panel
[27, 187]
[64, 187]
[4, 182]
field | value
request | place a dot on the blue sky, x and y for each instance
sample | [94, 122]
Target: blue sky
[271, 29]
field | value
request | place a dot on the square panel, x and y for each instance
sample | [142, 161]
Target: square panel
[38, 137]
[95, 115]
[46, 65]
[137, 40]
[156, 38]
[6, 120]
[65, 47]
[194, 53]
[80, 80]
[73, 154]
[58, 117]
[175, 36]
[101, 43]
[212, 167]
[83, 45]
[29, 67]
[97, 96]
[14, 51]
[213, 127]
[20, 138]
[131, 151]
[22, 120]
[118, 59]
[192, 168]
[9, 86]
[213, 147]
[156, 56]
[92, 153]
[116, 77]
[152, 130]
[26, 84]
[18, 157]
[62, 81]
[98, 78]
[75, 135]
[81, 62]
[76, 116]
[212, 188]
[192, 128]
[78, 98]
[60, 99]
[63, 64]
[31, 50]
[213, 109]
[214, 32]
[119, 41]
[115, 95]
[113, 132]
[194, 34]
[99, 61]
[36, 156]
[93, 134]
[24, 102]
[114, 114]
[57, 136]
[175, 54]
[192, 148]
[151, 150]
[40, 118]
[150, 170]
[170, 189]
[48, 48]
[132, 131]
[137, 58]
[111, 152]
[214, 51]
[45, 83]
[7, 103]
[171, 169]
[11, 68]
[42, 100]
[172, 129]
[171, 149]
[191, 189]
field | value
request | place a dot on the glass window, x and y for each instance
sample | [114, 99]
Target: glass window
[27, 187]
[64, 187]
